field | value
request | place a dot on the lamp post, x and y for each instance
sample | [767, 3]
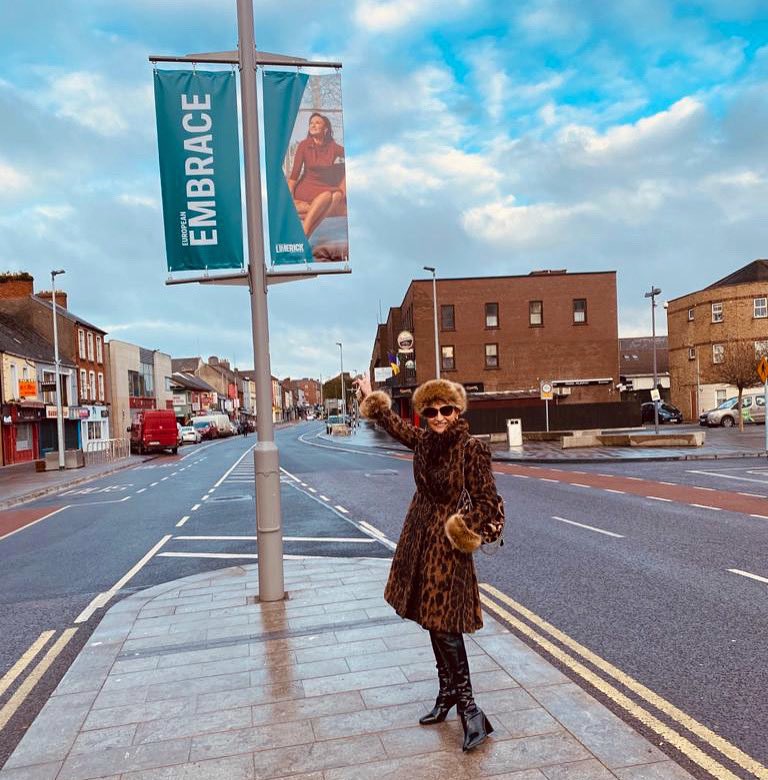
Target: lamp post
[698, 379]
[343, 396]
[652, 293]
[434, 307]
[59, 411]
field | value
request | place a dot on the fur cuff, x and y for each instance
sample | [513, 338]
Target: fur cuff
[461, 537]
[375, 404]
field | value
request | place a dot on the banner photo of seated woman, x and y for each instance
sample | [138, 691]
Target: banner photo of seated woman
[306, 178]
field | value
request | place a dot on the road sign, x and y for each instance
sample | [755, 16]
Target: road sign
[546, 390]
[762, 369]
[655, 395]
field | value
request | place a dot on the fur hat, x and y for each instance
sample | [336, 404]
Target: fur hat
[375, 404]
[440, 390]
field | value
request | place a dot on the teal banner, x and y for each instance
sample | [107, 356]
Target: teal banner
[305, 168]
[199, 152]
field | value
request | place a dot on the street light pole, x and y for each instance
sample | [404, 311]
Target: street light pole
[59, 410]
[343, 397]
[434, 307]
[269, 537]
[652, 293]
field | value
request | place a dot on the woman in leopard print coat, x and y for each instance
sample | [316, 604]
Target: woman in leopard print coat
[432, 580]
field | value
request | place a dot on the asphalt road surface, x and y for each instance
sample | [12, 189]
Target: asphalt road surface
[646, 583]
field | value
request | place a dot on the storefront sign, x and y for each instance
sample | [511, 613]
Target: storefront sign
[84, 413]
[199, 153]
[474, 387]
[28, 388]
[51, 412]
[382, 374]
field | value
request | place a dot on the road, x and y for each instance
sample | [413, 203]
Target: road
[646, 583]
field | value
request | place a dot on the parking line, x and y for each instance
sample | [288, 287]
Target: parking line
[10, 676]
[195, 507]
[182, 521]
[750, 575]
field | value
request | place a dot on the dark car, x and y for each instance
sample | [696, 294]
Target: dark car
[207, 430]
[667, 413]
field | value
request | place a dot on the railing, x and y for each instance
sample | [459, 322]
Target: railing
[106, 450]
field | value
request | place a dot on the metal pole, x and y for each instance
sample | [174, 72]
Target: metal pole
[343, 397]
[765, 398]
[654, 291]
[434, 310]
[698, 385]
[546, 411]
[269, 536]
[59, 410]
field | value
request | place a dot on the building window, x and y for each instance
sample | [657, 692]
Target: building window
[491, 355]
[23, 437]
[168, 384]
[717, 312]
[83, 383]
[49, 378]
[691, 353]
[448, 359]
[99, 350]
[94, 430]
[101, 386]
[760, 308]
[92, 378]
[447, 320]
[720, 396]
[491, 315]
[536, 313]
[81, 343]
[14, 381]
[761, 348]
[718, 353]
[579, 311]
[690, 315]
[90, 346]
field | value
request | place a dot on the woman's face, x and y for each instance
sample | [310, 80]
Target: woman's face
[440, 422]
[316, 127]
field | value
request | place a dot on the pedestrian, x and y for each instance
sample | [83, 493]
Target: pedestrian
[245, 428]
[432, 580]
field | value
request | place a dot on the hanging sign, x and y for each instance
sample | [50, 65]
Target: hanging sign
[306, 177]
[762, 369]
[199, 152]
[405, 341]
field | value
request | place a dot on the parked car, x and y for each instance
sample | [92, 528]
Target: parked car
[154, 431]
[333, 419]
[190, 434]
[667, 413]
[752, 410]
[207, 429]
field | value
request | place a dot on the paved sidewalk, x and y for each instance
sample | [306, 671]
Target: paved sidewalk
[193, 680]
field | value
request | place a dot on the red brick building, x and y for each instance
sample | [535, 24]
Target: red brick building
[502, 336]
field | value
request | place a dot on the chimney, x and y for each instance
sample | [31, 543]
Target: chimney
[213, 360]
[224, 363]
[61, 297]
[16, 285]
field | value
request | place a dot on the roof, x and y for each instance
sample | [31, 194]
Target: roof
[187, 364]
[25, 343]
[67, 313]
[636, 356]
[192, 382]
[756, 271]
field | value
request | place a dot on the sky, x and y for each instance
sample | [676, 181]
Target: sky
[481, 137]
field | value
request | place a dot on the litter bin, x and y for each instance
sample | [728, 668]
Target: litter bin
[514, 433]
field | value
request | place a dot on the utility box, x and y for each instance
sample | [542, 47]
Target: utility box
[514, 433]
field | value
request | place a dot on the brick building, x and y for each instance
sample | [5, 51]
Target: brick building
[703, 325]
[501, 336]
[306, 390]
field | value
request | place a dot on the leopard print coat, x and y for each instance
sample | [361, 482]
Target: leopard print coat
[432, 580]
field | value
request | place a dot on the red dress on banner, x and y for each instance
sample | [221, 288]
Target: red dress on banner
[320, 166]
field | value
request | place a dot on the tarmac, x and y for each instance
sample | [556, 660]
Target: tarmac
[196, 680]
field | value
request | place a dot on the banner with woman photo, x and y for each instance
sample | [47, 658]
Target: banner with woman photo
[306, 178]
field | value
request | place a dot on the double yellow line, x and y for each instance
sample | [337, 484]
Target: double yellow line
[9, 678]
[673, 737]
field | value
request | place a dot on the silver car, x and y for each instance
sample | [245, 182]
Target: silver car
[726, 415]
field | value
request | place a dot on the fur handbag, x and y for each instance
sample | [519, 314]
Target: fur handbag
[464, 506]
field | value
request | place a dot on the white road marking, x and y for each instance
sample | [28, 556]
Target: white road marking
[211, 490]
[312, 490]
[751, 495]
[182, 521]
[205, 498]
[141, 491]
[195, 507]
[103, 598]
[578, 484]
[234, 466]
[727, 476]
[346, 539]
[588, 527]
[163, 479]
[341, 509]
[547, 479]
[704, 506]
[712, 490]
[249, 556]
[611, 490]
[325, 498]
[174, 473]
[636, 479]
[667, 483]
[154, 483]
[519, 476]
[760, 517]
[748, 574]
[35, 522]
[658, 498]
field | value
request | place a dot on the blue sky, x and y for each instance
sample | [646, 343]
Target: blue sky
[481, 137]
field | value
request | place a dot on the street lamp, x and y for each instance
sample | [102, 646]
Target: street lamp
[698, 378]
[652, 293]
[434, 306]
[343, 397]
[59, 410]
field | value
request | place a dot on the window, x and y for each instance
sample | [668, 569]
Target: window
[168, 384]
[447, 320]
[717, 312]
[720, 396]
[101, 386]
[94, 430]
[81, 343]
[14, 381]
[23, 437]
[99, 350]
[491, 315]
[49, 379]
[690, 315]
[92, 383]
[760, 308]
[491, 355]
[579, 311]
[448, 359]
[761, 348]
[83, 383]
[536, 313]
[691, 353]
[90, 346]
[718, 353]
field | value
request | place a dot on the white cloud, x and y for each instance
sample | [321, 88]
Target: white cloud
[12, 180]
[391, 15]
[145, 201]
[56, 213]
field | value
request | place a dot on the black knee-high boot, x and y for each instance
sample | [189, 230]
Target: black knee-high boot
[476, 725]
[446, 696]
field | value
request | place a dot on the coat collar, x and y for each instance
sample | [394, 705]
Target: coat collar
[449, 437]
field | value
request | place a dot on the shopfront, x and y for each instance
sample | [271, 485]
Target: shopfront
[21, 431]
[93, 422]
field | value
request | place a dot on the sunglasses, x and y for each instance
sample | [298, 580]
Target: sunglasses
[431, 412]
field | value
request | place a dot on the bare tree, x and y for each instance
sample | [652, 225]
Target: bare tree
[738, 368]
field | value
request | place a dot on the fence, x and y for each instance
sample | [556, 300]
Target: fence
[106, 450]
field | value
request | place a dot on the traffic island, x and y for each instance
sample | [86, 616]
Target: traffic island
[590, 439]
